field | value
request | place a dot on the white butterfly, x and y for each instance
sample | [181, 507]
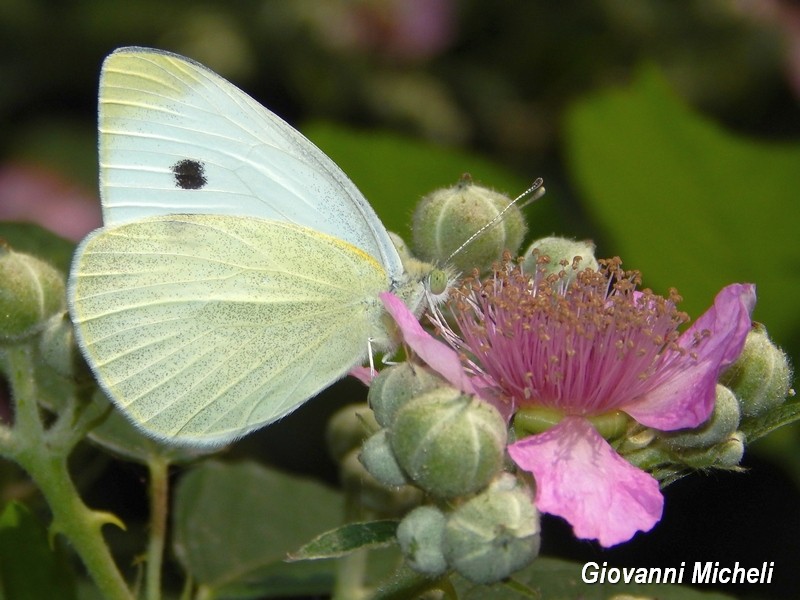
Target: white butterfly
[238, 270]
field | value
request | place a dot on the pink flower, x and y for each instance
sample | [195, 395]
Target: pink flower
[35, 194]
[404, 30]
[590, 347]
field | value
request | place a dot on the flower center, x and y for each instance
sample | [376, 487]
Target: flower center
[583, 342]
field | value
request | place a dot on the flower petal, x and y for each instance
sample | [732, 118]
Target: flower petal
[439, 356]
[581, 478]
[685, 398]
[364, 374]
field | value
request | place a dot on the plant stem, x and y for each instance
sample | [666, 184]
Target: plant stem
[351, 568]
[406, 583]
[44, 457]
[159, 495]
[81, 525]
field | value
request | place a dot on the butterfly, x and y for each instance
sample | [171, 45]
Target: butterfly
[238, 269]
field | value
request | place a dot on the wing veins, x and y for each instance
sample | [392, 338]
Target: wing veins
[183, 318]
[228, 357]
[303, 352]
[320, 341]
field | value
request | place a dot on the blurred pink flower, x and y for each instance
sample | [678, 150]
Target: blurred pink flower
[785, 17]
[404, 30]
[594, 346]
[37, 195]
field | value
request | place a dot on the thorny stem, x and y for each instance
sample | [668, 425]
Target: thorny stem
[43, 454]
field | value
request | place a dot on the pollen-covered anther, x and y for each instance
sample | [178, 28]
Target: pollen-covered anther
[521, 323]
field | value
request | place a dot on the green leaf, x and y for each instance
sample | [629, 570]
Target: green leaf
[690, 204]
[29, 568]
[280, 580]
[347, 538]
[555, 579]
[234, 525]
[757, 427]
[120, 437]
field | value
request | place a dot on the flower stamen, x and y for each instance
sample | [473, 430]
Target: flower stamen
[585, 344]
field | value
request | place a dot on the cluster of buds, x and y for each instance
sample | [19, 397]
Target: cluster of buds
[606, 393]
[757, 383]
[478, 519]
[435, 455]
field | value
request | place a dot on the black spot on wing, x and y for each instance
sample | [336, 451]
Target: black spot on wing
[189, 174]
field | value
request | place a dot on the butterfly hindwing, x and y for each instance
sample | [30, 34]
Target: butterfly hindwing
[202, 328]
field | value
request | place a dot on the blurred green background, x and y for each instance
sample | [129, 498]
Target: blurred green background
[666, 132]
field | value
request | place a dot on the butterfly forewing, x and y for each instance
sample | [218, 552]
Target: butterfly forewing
[177, 138]
[202, 328]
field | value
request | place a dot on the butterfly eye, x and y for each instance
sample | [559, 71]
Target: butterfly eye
[438, 281]
[438, 284]
[189, 174]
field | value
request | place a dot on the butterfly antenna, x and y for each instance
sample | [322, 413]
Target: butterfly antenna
[532, 194]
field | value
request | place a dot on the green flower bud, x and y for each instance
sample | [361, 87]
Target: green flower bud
[494, 534]
[420, 536]
[611, 425]
[396, 385]
[531, 420]
[648, 458]
[371, 494]
[731, 452]
[31, 291]
[724, 420]
[725, 455]
[446, 218]
[449, 444]
[761, 377]
[377, 457]
[554, 255]
[638, 440]
[348, 428]
[59, 350]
